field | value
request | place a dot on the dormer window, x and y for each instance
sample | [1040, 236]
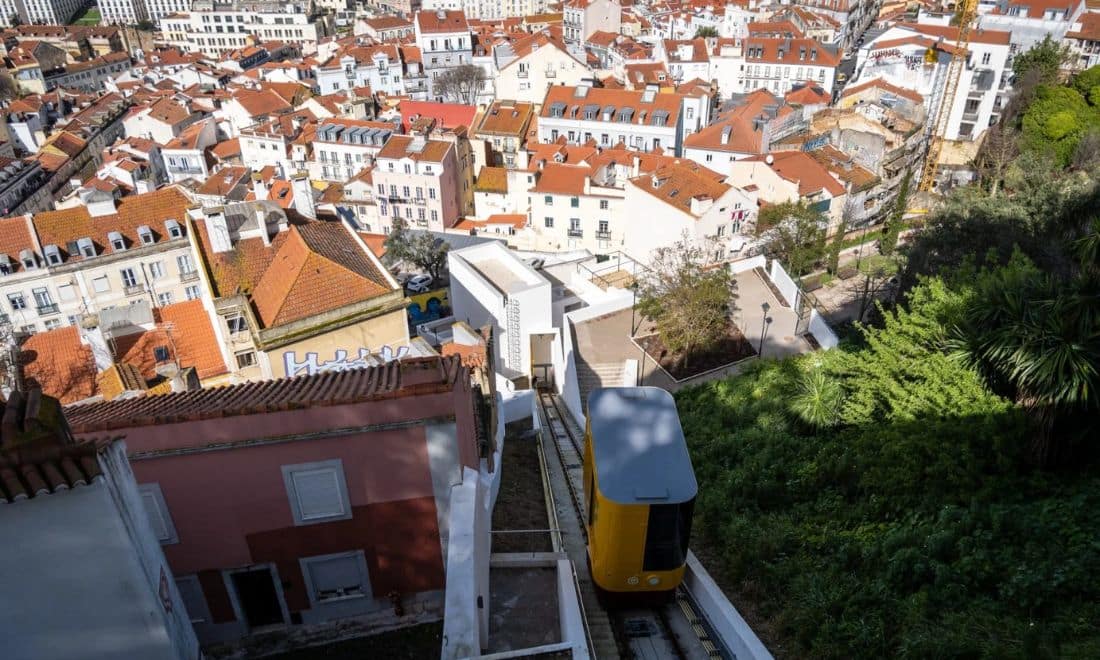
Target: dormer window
[5, 265]
[27, 258]
[174, 229]
[53, 255]
[85, 247]
[118, 243]
[146, 235]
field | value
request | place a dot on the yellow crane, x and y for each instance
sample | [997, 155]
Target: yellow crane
[964, 16]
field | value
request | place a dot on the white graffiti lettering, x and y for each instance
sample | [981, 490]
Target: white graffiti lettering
[340, 361]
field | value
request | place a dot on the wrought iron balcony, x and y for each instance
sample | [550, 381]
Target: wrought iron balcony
[51, 308]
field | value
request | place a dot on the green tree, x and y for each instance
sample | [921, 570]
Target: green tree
[1045, 59]
[461, 84]
[706, 31]
[817, 399]
[1055, 121]
[896, 220]
[690, 300]
[794, 233]
[1087, 81]
[421, 249]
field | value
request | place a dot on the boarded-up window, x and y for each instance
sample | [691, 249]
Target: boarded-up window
[157, 510]
[331, 577]
[317, 491]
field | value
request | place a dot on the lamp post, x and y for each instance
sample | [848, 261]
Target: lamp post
[764, 326]
[634, 290]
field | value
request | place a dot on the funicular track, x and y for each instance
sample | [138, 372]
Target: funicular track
[673, 630]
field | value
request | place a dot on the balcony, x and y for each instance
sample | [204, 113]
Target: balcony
[605, 235]
[133, 289]
[551, 73]
[43, 310]
[576, 233]
[4, 319]
[189, 276]
[522, 73]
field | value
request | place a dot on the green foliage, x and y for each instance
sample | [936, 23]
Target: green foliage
[794, 233]
[1044, 60]
[422, 249]
[690, 302]
[1056, 120]
[706, 31]
[1087, 81]
[896, 220]
[913, 527]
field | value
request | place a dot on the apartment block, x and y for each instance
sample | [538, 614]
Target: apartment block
[418, 179]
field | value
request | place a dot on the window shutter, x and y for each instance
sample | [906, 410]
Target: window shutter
[156, 518]
[335, 577]
[193, 600]
[318, 493]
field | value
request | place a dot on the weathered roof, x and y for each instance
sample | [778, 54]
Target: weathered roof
[407, 377]
[639, 448]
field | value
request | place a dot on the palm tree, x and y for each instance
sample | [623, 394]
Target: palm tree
[817, 399]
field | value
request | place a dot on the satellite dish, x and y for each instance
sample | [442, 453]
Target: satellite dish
[769, 159]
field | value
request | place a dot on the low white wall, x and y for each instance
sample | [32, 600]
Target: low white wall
[727, 622]
[630, 373]
[759, 261]
[569, 612]
[784, 283]
[514, 404]
[462, 625]
[821, 331]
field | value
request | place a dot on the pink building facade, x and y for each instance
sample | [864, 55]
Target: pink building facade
[417, 179]
[304, 500]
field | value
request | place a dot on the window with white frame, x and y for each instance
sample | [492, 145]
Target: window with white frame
[317, 492]
[157, 509]
[336, 577]
[164, 298]
[156, 270]
[192, 292]
[236, 323]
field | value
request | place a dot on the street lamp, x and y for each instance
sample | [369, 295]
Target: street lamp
[764, 326]
[634, 290]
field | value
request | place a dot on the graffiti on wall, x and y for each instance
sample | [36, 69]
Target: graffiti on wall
[341, 361]
[429, 306]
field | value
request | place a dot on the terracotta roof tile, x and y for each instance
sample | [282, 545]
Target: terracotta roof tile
[885, 86]
[407, 377]
[492, 179]
[451, 21]
[564, 101]
[561, 179]
[15, 236]
[401, 146]
[448, 115]
[798, 166]
[506, 118]
[59, 363]
[677, 185]
[186, 332]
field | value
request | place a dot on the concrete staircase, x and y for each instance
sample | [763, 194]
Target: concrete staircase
[595, 376]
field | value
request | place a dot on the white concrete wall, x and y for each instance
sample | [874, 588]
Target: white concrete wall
[727, 622]
[778, 275]
[821, 331]
[84, 587]
[461, 628]
[532, 88]
[759, 261]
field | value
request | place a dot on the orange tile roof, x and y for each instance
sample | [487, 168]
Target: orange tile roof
[561, 179]
[397, 379]
[844, 167]
[780, 29]
[15, 236]
[677, 185]
[807, 93]
[449, 115]
[227, 149]
[492, 179]
[880, 83]
[153, 209]
[169, 110]
[1090, 28]
[60, 363]
[451, 21]
[224, 181]
[185, 330]
[738, 126]
[798, 166]
[262, 103]
[506, 118]
[564, 99]
[375, 242]
[794, 51]
[398, 146]
[950, 33]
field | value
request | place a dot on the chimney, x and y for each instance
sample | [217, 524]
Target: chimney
[91, 335]
[700, 204]
[726, 134]
[303, 195]
[218, 229]
[143, 186]
[259, 187]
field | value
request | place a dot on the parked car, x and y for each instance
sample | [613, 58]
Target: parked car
[419, 283]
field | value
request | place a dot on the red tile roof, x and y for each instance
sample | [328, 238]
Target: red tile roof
[59, 363]
[885, 86]
[38, 455]
[565, 99]
[407, 377]
[807, 93]
[186, 332]
[798, 166]
[153, 209]
[561, 179]
[677, 185]
[15, 236]
[790, 51]
[449, 115]
[443, 21]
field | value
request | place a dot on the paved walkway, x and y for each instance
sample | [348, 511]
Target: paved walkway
[606, 339]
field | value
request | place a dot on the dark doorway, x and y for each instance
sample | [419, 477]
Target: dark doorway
[257, 596]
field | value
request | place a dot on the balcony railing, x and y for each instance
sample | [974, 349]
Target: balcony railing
[576, 233]
[188, 276]
[47, 309]
[522, 73]
[551, 73]
[133, 289]
[603, 234]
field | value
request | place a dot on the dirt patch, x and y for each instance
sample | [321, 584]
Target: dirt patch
[520, 502]
[423, 641]
[733, 347]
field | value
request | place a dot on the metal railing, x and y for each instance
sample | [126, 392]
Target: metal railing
[189, 276]
[133, 289]
[47, 309]
[576, 233]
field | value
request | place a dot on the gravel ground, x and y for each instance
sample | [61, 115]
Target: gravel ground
[520, 503]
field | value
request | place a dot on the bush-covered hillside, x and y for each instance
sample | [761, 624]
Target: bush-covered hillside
[880, 500]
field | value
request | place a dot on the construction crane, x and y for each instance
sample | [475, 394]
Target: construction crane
[964, 17]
